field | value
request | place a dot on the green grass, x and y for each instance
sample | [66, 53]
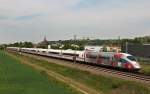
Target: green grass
[145, 65]
[145, 68]
[108, 85]
[16, 78]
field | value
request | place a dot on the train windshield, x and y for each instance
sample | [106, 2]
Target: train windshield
[123, 60]
[131, 58]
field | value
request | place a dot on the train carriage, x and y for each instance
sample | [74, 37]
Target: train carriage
[113, 59]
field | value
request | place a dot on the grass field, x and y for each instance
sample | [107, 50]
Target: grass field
[145, 69]
[100, 83]
[16, 78]
[145, 64]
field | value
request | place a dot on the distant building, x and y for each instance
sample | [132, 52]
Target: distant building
[43, 44]
[141, 50]
[94, 48]
[103, 48]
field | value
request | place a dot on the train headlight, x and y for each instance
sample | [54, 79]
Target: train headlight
[137, 65]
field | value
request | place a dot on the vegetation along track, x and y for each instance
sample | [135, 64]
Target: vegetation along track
[97, 70]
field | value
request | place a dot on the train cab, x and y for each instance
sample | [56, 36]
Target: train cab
[127, 61]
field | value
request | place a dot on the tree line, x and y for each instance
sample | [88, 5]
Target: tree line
[67, 44]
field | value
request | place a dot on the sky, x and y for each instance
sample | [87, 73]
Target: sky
[31, 20]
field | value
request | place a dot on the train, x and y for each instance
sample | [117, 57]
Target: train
[90, 56]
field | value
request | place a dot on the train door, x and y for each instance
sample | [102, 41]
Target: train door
[114, 62]
[91, 57]
[99, 59]
[106, 60]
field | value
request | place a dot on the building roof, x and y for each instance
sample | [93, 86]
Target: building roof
[44, 42]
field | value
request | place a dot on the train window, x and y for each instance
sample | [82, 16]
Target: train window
[122, 60]
[113, 59]
[43, 51]
[91, 56]
[71, 54]
[53, 52]
[33, 50]
[131, 58]
[103, 57]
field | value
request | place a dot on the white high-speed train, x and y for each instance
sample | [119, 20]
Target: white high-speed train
[112, 59]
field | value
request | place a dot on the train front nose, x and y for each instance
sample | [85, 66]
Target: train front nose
[136, 65]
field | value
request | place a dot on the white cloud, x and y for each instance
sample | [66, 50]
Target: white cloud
[32, 19]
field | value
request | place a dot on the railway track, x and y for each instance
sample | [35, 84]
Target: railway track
[136, 76]
[96, 69]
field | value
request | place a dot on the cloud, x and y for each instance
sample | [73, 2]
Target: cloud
[3, 17]
[22, 20]
[85, 4]
[28, 17]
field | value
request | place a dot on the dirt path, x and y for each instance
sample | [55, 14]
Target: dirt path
[72, 83]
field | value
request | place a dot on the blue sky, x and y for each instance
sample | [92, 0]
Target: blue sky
[31, 20]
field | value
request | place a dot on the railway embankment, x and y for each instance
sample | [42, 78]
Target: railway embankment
[145, 64]
[17, 78]
[97, 83]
